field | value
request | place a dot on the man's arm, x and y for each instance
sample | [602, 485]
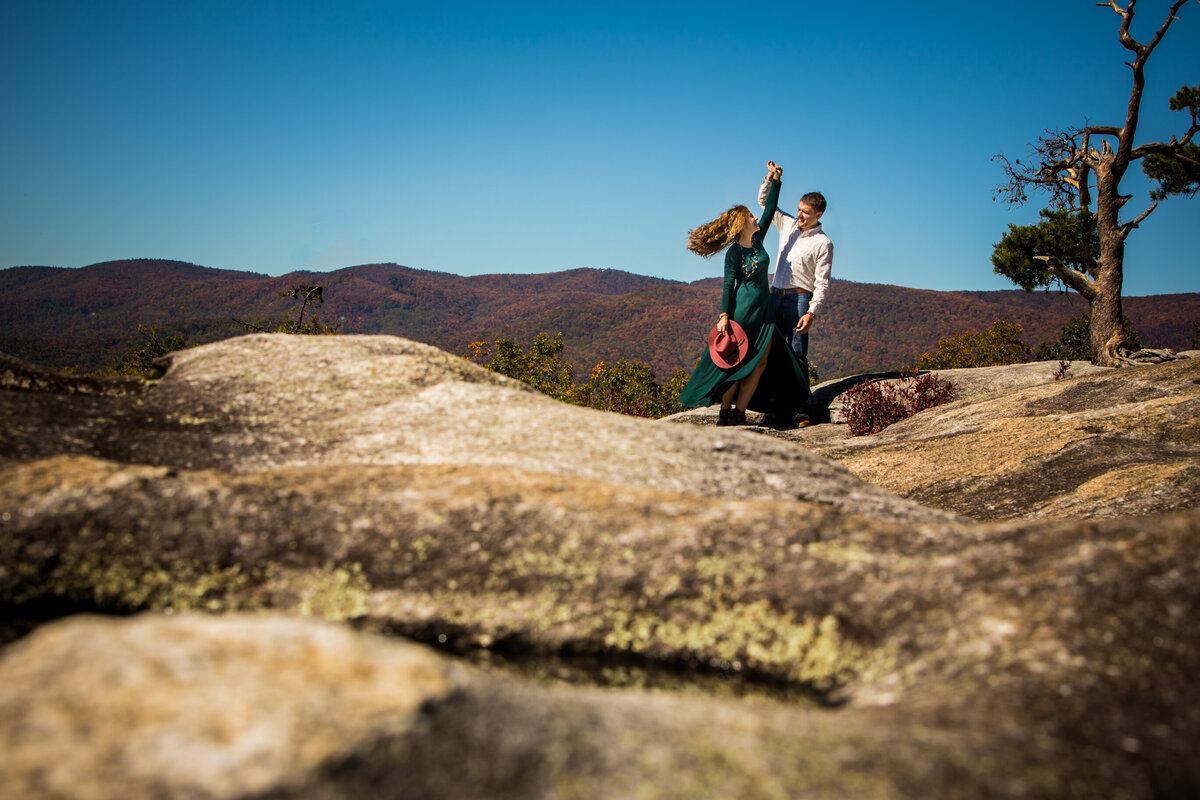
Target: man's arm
[824, 268]
[763, 191]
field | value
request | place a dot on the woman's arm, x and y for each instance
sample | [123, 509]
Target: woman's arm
[772, 203]
[727, 292]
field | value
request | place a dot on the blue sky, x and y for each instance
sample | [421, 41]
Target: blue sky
[533, 137]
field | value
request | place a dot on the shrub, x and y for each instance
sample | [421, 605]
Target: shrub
[628, 387]
[625, 387]
[307, 295]
[1075, 342]
[926, 391]
[541, 367]
[994, 347]
[1196, 335]
[138, 359]
[871, 406]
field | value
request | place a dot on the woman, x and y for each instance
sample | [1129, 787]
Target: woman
[768, 379]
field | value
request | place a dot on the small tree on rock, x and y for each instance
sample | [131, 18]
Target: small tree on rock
[308, 296]
[138, 359]
[1080, 243]
[994, 347]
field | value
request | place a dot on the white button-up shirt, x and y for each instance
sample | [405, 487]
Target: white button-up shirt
[805, 259]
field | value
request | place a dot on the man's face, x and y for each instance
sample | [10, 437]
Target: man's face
[807, 217]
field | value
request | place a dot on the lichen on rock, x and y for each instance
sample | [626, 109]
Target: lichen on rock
[382, 486]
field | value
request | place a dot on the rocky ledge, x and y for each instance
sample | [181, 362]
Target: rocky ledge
[276, 520]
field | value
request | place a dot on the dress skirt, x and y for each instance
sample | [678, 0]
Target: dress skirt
[783, 387]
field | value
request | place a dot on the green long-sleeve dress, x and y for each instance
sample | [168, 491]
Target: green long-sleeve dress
[746, 298]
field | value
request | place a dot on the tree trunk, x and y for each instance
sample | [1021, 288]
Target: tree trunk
[1107, 331]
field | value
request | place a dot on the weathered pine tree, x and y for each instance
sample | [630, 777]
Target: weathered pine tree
[1081, 241]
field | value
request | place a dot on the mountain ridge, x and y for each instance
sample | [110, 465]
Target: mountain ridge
[63, 317]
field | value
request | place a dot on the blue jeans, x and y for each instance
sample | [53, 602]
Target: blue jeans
[788, 311]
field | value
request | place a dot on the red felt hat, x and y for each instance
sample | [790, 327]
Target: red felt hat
[728, 349]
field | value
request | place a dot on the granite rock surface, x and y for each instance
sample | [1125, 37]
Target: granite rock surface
[306, 507]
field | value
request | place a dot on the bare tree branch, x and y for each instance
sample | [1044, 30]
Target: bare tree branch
[1178, 4]
[1085, 174]
[1126, 18]
[1129, 226]
[1101, 130]
[1080, 282]
[1060, 165]
[1173, 148]
[1143, 51]
[250, 326]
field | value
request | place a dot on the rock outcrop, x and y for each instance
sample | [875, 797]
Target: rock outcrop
[1017, 443]
[200, 707]
[265, 402]
[394, 490]
[1115, 443]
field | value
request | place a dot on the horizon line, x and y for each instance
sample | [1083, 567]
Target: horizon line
[331, 270]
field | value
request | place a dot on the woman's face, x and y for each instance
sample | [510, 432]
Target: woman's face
[750, 225]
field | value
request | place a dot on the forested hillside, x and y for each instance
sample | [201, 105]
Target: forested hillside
[84, 317]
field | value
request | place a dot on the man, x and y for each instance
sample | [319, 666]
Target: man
[802, 271]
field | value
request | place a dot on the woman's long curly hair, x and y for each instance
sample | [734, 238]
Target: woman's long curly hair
[713, 237]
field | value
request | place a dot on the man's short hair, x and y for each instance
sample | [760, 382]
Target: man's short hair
[815, 201]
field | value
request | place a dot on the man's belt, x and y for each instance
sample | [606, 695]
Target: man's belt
[786, 292]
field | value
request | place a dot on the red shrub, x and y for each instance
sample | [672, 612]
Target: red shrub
[871, 406]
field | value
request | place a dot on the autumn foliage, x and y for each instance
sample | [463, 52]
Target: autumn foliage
[57, 317]
[625, 387]
[628, 387]
[541, 366]
[139, 357]
[871, 406]
[997, 346]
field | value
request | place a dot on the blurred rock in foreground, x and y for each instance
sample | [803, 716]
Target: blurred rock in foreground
[390, 488]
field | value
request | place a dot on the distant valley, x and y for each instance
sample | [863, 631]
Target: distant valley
[83, 318]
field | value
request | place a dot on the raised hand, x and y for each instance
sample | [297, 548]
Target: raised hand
[774, 170]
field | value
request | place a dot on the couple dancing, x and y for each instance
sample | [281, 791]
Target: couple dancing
[758, 350]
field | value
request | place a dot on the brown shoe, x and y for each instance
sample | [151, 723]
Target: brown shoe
[737, 417]
[723, 417]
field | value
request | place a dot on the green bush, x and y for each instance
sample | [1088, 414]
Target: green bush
[138, 359]
[994, 347]
[628, 387]
[1075, 342]
[541, 367]
[625, 387]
